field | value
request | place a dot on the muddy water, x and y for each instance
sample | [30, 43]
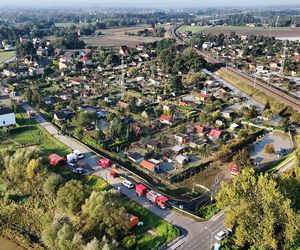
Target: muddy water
[8, 245]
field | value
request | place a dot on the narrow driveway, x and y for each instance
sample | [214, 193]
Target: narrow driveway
[197, 235]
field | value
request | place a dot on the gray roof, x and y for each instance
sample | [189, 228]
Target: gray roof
[5, 111]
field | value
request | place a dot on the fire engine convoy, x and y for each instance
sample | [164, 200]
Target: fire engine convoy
[141, 190]
[152, 196]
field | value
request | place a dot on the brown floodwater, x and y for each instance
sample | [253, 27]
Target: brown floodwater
[6, 244]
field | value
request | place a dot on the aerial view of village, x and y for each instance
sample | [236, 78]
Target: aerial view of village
[163, 125]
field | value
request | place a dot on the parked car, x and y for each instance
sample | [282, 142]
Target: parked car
[128, 184]
[222, 235]
[78, 154]
[79, 170]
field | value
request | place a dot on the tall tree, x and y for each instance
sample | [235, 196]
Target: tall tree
[258, 212]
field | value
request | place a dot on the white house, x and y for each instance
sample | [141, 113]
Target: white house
[7, 117]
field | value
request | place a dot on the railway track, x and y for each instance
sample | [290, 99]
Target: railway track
[270, 90]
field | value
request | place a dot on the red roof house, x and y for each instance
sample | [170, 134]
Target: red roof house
[199, 129]
[201, 97]
[56, 160]
[166, 119]
[151, 166]
[215, 133]
[296, 58]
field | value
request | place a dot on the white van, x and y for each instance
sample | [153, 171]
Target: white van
[128, 184]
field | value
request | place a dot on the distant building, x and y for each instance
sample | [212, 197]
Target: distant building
[7, 117]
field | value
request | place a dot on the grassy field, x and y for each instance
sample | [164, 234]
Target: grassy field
[155, 230]
[194, 29]
[5, 55]
[29, 133]
[118, 40]
[243, 30]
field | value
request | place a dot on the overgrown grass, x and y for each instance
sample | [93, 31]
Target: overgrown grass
[97, 183]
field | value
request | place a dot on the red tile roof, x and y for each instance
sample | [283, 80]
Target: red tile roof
[166, 117]
[201, 95]
[199, 128]
[215, 133]
[148, 164]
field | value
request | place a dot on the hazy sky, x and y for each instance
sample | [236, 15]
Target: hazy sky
[145, 3]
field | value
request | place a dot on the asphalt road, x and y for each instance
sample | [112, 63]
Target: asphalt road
[196, 235]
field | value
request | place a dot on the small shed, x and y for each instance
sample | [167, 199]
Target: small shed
[56, 160]
[131, 220]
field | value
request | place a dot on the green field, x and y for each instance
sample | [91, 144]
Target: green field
[243, 30]
[68, 24]
[155, 230]
[194, 29]
[29, 133]
[5, 55]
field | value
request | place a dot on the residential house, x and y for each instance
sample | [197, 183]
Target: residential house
[150, 165]
[178, 149]
[21, 72]
[124, 50]
[152, 144]
[215, 134]
[182, 160]
[86, 61]
[198, 143]
[136, 157]
[182, 138]
[60, 116]
[296, 58]
[7, 117]
[207, 45]
[166, 119]
[199, 129]
[201, 97]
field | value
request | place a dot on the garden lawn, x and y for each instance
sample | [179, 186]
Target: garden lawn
[29, 133]
[5, 55]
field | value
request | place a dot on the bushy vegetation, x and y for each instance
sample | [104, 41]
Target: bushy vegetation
[262, 211]
[42, 207]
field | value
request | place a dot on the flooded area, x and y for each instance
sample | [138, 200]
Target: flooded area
[8, 244]
[278, 140]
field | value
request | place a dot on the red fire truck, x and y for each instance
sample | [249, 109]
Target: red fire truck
[151, 196]
[157, 199]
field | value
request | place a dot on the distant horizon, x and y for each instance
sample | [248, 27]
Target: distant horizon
[154, 4]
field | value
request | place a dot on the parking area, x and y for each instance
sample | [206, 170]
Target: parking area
[278, 140]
